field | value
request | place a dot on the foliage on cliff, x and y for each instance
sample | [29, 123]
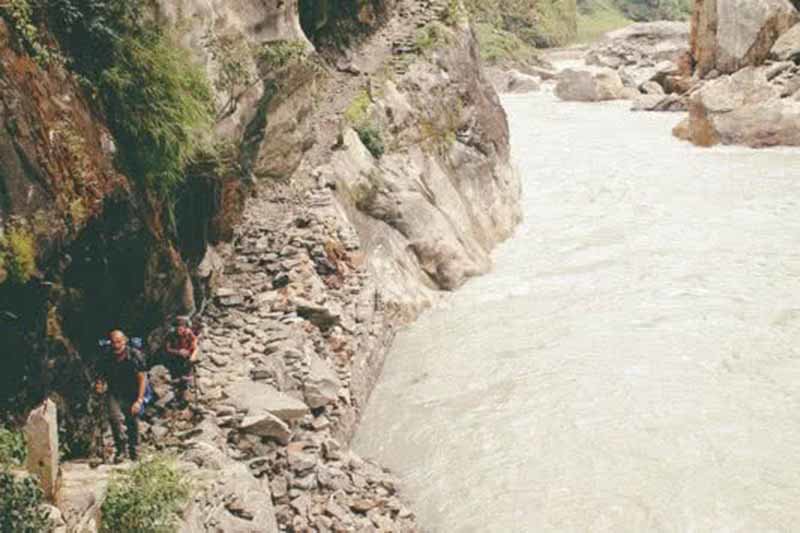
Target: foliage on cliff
[598, 11]
[536, 23]
[20, 495]
[155, 100]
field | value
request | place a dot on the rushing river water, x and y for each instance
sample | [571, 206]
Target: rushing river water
[633, 361]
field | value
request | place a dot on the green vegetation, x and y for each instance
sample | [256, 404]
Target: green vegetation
[533, 23]
[20, 504]
[599, 17]
[19, 13]
[372, 138]
[145, 498]
[12, 447]
[18, 255]
[278, 54]
[356, 112]
[20, 496]
[157, 104]
[497, 45]
[357, 116]
[431, 36]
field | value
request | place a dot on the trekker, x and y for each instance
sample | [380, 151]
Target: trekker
[121, 377]
[181, 346]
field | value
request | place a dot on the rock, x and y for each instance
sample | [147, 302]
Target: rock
[41, 438]
[728, 35]
[574, 85]
[652, 88]
[583, 86]
[322, 385]
[319, 315]
[266, 425]
[258, 398]
[56, 519]
[743, 108]
[609, 85]
[512, 81]
[787, 47]
[655, 102]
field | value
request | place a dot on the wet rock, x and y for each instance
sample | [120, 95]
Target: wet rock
[583, 86]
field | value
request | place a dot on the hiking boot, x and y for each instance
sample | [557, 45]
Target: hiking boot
[134, 455]
[118, 458]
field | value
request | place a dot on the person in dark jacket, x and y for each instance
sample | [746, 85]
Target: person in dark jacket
[121, 377]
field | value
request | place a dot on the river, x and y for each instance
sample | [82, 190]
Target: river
[632, 363]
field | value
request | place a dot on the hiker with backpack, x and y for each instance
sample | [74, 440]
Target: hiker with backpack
[181, 348]
[122, 380]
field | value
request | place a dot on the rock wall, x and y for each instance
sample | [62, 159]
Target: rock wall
[302, 284]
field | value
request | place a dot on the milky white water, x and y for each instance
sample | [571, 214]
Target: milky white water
[633, 361]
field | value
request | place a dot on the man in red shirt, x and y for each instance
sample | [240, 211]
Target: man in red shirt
[181, 349]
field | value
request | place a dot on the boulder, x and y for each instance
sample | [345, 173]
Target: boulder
[513, 81]
[41, 438]
[258, 398]
[728, 35]
[609, 85]
[322, 385]
[583, 86]
[787, 47]
[743, 108]
[266, 425]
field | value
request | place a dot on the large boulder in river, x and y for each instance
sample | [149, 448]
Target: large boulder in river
[512, 81]
[584, 86]
[728, 35]
[743, 108]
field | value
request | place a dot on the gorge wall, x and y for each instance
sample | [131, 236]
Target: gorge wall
[349, 186]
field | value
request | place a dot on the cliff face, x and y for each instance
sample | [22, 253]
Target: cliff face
[376, 178]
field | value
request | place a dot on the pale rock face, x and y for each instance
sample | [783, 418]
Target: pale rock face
[787, 47]
[41, 437]
[728, 35]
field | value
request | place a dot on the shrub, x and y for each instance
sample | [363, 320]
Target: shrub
[18, 255]
[356, 112]
[278, 54]
[20, 14]
[21, 501]
[12, 447]
[431, 36]
[145, 498]
[497, 45]
[372, 139]
[158, 104]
